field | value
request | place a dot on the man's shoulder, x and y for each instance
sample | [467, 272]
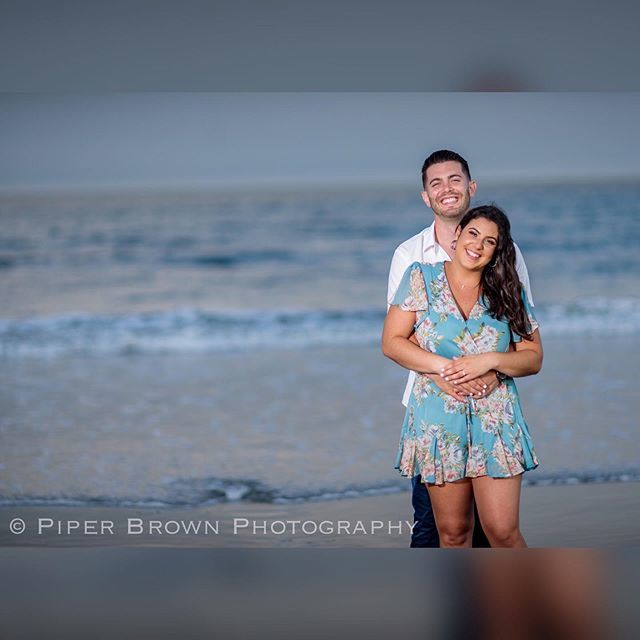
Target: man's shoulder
[410, 245]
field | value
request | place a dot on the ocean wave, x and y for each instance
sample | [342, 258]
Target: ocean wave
[193, 330]
[202, 492]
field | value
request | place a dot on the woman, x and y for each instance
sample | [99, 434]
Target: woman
[470, 316]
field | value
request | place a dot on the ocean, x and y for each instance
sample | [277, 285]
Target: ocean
[184, 349]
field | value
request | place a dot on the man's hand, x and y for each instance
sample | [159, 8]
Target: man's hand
[453, 390]
[479, 388]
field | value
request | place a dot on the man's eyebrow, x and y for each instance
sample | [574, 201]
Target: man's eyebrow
[451, 175]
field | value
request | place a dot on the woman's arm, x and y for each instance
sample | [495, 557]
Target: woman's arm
[526, 360]
[398, 326]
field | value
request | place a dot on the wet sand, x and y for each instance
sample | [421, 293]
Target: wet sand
[593, 515]
[303, 422]
[154, 428]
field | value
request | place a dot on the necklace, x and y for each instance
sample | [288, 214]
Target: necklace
[467, 297]
[462, 285]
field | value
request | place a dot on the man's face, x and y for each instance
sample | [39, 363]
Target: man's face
[448, 190]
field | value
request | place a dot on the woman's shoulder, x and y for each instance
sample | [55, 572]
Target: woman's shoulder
[430, 270]
[425, 266]
[426, 271]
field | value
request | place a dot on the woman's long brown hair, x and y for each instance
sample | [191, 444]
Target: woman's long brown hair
[501, 286]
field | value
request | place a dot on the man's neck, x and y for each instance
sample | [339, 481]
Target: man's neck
[445, 233]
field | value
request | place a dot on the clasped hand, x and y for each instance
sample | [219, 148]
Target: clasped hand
[478, 387]
[465, 368]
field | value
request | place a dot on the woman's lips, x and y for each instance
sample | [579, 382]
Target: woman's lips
[472, 254]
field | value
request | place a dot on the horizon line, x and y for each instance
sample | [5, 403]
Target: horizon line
[276, 185]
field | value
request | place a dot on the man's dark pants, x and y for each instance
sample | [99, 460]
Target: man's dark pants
[425, 533]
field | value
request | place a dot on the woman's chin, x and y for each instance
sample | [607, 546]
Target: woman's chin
[473, 265]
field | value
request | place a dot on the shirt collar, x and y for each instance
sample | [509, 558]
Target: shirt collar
[429, 237]
[430, 244]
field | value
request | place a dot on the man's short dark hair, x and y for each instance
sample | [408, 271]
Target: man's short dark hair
[444, 155]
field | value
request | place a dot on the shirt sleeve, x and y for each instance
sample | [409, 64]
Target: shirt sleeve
[399, 264]
[523, 273]
[411, 294]
[529, 310]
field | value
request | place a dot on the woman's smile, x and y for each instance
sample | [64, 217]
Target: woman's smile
[472, 254]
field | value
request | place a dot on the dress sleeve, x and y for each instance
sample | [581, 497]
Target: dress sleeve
[411, 294]
[529, 310]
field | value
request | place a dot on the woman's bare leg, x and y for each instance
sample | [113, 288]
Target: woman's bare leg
[498, 501]
[452, 505]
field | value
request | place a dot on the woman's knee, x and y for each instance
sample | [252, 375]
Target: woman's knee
[455, 533]
[502, 533]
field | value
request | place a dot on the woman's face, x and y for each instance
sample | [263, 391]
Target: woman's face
[477, 243]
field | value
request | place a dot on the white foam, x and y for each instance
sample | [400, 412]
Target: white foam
[192, 330]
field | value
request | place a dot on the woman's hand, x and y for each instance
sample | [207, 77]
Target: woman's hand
[466, 368]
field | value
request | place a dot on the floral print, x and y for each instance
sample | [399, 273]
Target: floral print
[429, 332]
[485, 338]
[415, 295]
[453, 439]
[437, 451]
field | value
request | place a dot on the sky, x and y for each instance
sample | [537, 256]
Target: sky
[166, 140]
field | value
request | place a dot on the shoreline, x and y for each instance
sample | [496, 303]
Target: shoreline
[579, 516]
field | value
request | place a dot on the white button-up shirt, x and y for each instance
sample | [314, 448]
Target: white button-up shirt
[423, 247]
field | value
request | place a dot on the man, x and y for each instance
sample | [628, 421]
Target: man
[447, 191]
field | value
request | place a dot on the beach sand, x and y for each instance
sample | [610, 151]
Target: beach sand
[162, 428]
[301, 422]
[593, 515]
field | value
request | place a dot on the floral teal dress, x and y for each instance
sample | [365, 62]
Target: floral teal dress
[443, 439]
